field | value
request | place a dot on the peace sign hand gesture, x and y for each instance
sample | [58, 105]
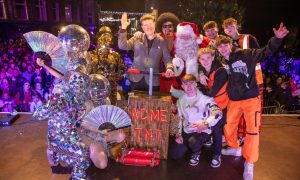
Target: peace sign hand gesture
[281, 32]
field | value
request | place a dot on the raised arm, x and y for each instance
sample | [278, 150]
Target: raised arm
[125, 22]
[272, 46]
[123, 43]
[281, 32]
[40, 62]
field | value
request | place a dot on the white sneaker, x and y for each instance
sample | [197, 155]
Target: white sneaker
[216, 161]
[248, 171]
[195, 158]
[232, 151]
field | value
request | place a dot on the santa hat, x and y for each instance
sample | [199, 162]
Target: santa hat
[190, 29]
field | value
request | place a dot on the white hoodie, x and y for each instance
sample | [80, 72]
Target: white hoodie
[197, 109]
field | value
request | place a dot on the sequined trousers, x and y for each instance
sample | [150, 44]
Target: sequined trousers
[67, 145]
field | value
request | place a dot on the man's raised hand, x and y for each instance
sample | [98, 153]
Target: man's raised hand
[125, 22]
[281, 32]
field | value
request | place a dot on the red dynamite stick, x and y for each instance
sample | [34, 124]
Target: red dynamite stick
[142, 153]
[139, 161]
[134, 71]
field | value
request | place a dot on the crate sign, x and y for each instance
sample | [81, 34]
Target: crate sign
[150, 117]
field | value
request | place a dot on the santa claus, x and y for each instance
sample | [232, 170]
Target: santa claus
[187, 43]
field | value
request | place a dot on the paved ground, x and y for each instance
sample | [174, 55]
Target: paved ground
[22, 156]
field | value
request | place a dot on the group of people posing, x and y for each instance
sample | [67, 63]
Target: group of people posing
[216, 82]
[224, 66]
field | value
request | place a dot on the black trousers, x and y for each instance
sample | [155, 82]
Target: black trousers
[193, 141]
[217, 134]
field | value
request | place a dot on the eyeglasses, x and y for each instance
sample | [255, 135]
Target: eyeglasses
[167, 26]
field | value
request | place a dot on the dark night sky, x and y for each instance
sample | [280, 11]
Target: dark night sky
[127, 5]
[262, 15]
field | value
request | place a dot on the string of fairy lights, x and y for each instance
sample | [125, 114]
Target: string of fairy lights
[120, 13]
[107, 16]
[111, 19]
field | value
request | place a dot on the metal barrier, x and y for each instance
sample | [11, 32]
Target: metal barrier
[274, 107]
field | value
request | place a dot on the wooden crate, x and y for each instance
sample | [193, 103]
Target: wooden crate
[151, 117]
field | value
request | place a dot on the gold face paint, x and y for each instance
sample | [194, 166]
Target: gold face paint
[107, 62]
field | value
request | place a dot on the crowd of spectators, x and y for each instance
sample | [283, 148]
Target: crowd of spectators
[22, 82]
[282, 81]
[24, 85]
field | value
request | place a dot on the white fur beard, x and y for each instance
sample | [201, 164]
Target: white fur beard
[187, 50]
[192, 67]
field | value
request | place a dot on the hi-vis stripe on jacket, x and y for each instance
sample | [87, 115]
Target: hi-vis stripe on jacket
[244, 44]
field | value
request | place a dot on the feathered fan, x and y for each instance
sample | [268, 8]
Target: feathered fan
[41, 41]
[106, 117]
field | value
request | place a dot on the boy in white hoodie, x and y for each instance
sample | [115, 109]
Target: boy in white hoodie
[198, 114]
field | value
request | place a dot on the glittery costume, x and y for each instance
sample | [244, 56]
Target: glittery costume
[68, 105]
[99, 90]
[79, 62]
[107, 62]
[64, 111]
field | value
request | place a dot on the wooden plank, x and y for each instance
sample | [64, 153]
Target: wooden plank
[151, 117]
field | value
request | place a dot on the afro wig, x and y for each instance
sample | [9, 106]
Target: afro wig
[164, 17]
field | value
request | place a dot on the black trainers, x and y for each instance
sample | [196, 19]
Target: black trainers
[195, 158]
[216, 161]
[59, 169]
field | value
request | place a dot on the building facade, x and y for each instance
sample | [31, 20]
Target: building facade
[20, 16]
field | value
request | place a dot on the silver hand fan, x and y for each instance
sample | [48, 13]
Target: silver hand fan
[41, 41]
[106, 117]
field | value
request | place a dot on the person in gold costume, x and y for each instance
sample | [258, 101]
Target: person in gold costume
[106, 61]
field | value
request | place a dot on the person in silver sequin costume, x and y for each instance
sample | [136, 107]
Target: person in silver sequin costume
[67, 142]
[64, 110]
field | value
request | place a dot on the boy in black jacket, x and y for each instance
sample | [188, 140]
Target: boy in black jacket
[243, 94]
[244, 41]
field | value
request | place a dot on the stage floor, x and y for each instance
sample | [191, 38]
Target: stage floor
[23, 145]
